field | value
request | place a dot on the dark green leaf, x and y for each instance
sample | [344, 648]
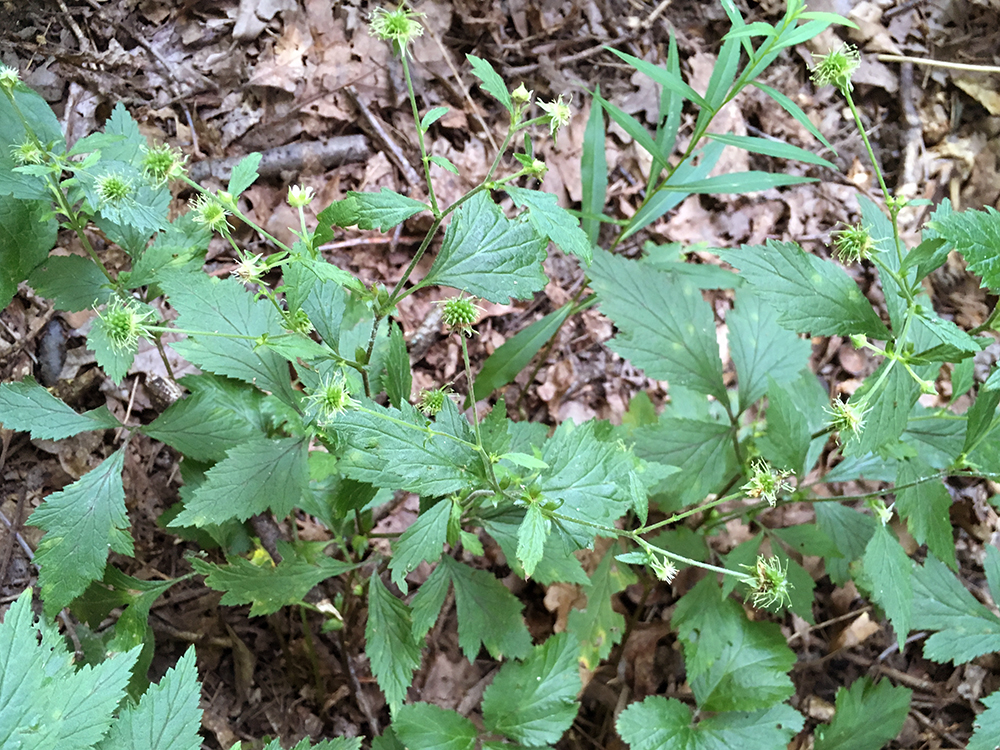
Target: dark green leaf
[487, 255]
[28, 407]
[535, 529]
[813, 295]
[423, 540]
[980, 416]
[558, 564]
[74, 283]
[398, 380]
[27, 233]
[593, 172]
[976, 235]
[432, 117]
[850, 530]
[82, 523]
[887, 568]
[385, 209]
[987, 725]
[422, 726]
[663, 77]
[737, 183]
[552, 221]
[599, 627]
[633, 128]
[768, 147]
[786, 442]
[890, 407]
[45, 125]
[428, 600]
[795, 111]
[322, 298]
[256, 476]
[389, 643]
[534, 702]
[444, 163]
[807, 539]
[492, 83]
[928, 256]
[244, 174]
[665, 327]
[925, 506]
[867, 716]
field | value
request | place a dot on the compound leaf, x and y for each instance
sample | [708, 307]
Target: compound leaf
[867, 716]
[487, 255]
[534, 702]
[28, 407]
[390, 645]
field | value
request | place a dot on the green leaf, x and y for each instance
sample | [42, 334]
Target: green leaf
[662, 76]
[979, 417]
[634, 129]
[444, 163]
[398, 380]
[765, 146]
[733, 664]
[807, 539]
[27, 233]
[225, 307]
[244, 174]
[928, 256]
[925, 507]
[664, 325]
[385, 209]
[28, 407]
[535, 529]
[74, 283]
[113, 359]
[488, 614]
[558, 564]
[255, 476]
[322, 299]
[423, 540]
[507, 361]
[492, 83]
[552, 221]
[737, 183]
[867, 716]
[389, 643]
[487, 255]
[976, 235]
[423, 726]
[992, 567]
[850, 530]
[953, 345]
[338, 743]
[428, 600]
[671, 106]
[82, 522]
[45, 125]
[659, 723]
[813, 295]
[268, 587]
[986, 728]
[761, 349]
[397, 449]
[796, 112]
[432, 117]
[786, 442]
[167, 716]
[967, 628]
[599, 627]
[593, 172]
[534, 702]
[891, 405]
[887, 568]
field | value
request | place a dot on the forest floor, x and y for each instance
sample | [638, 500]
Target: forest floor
[227, 78]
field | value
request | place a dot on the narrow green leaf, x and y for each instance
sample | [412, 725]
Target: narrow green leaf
[722, 77]
[28, 407]
[813, 295]
[398, 381]
[487, 255]
[663, 77]
[992, 568]
[766, 146]
[599, 627]
[664, 325]
[659, 723]
[389, 643]
[256, 476]
[492, 83]
[432, 117]
[244, 174]
[593, 171]
[737, 183]
[925, 507]
[423, 540]
[830, 18]
[761, 349]
[552, 221]
[867, 716]
[428, 600]
[531, 538]
[928, 256]
[796, 112]
[534, 702]
[82, 522]
[887, 568]
[167, 716]
[385, 209]
[501, 367]
[758, 28]
[634, 128]
[444, 163]
[422, 726]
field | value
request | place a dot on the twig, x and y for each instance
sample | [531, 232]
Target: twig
[77, 31]
[370, 123]
[940, 63]
[292, 157]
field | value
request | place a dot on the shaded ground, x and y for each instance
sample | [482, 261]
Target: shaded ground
[238, 77]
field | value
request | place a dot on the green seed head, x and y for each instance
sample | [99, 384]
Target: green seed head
[162, 164]
[124, 325]
[400, 26]
[665, 570]
[847, 418]
[853, 244]
[769, 583]
[210, 213]
[330, 399]
[27, 152]
[459, 313]
[837, 68]
[250, 269]
[113, 189]
[431, 402]
[766, 482]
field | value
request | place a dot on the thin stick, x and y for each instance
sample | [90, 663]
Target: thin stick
[393, 151]
[940, 63]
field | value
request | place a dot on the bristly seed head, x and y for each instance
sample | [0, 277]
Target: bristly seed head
[853, 244]
[400, 26]
[769, 584]
[460, 313]
[123, 325]
[162, 164]
[432, 402]
[766, 482]
[329, 399]
[837, 68]
[209, 213]
[113, 189]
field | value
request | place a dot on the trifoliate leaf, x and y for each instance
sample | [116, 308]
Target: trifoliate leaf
[887, 567]
[385, 209]
[488, 614]
[225, 307]
[256, 476]
[553, 221]
[492, 83]
[423, 540]
[390, 645]
[733, 664]
[534, 702]
[423, 726]
[167, 716]
[74, 283]
[27, 234]
[761, 349]
[599, 627]
[967, 628]
[987, 725]
[976, 235]
[531, 538]
[27, 407]
[813, 296]
[925, 506]
[82, 522]
[660, 723]
[664, 325]
[400, 450]
[268, 587]
[867, 716]
[487, 255]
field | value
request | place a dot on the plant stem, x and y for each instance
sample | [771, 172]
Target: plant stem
[424, 159]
